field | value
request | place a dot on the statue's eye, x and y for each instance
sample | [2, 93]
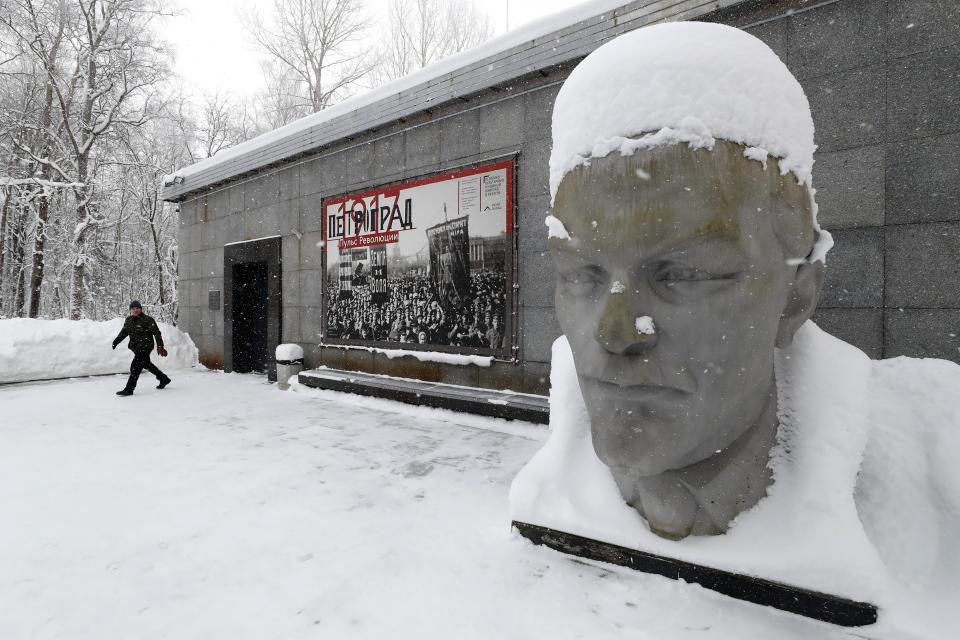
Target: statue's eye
[681, 274]
[692, 280]
[580, 281]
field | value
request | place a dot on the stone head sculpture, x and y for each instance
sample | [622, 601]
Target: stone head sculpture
[686, 247]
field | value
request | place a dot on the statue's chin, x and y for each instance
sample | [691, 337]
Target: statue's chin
[639, 430]
[628, 453]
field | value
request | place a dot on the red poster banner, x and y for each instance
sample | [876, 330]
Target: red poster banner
[423, 262]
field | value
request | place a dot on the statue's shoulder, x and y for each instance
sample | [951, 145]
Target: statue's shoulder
[909, 473]
[916, 401]
[927, 387]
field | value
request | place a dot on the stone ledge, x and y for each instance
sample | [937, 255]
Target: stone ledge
[485, 402]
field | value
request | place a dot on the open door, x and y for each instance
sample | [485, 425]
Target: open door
[250, 317]
[252, 305]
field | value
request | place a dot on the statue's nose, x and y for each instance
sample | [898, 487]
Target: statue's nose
[623, 327]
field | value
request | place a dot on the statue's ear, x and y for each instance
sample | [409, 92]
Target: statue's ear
[802, 300]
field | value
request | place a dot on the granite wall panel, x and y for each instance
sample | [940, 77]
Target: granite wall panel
[923, 265]
[854, 273]
[850, 187]
[923, 180]
[923, 92]
[914, 26]
[922, 333]
[863, 328]
[836, 37]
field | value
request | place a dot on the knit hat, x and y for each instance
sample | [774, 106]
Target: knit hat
[136, 304]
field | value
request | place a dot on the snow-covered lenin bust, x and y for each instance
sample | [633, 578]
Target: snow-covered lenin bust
[692, 399]
[686, 249]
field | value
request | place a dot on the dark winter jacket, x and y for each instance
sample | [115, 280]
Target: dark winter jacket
[142, 329]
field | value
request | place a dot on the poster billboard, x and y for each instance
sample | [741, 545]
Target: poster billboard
[423, 264]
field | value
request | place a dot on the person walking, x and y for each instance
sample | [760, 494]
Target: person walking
[141, 329]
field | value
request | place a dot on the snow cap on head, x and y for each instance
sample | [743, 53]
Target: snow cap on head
[684, 82]
[690, 82]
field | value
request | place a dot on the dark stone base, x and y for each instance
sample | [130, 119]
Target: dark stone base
[812, 604]
[484, 402]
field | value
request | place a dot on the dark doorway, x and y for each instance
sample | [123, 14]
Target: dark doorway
[250, 317]
[252, 305]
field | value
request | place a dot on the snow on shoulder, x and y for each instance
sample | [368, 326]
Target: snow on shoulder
[689, 82]
[33, 349]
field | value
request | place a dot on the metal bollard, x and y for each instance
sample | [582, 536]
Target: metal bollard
[286, 369]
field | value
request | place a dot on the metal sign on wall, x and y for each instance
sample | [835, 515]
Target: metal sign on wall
[424, 264]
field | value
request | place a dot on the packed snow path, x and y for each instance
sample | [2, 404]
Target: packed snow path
[224, 508]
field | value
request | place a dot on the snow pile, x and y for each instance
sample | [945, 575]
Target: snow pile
[33, 349]
[685, 82]
[289, 352]
[866, 495]
[438, 356]
[424, 356]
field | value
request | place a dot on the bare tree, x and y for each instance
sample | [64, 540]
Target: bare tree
[214, 122]
[83, 73]
[90, 123]
[420, 32]
[26, 122]
[316, 48]
[49, 34]
[116, 63]
[281, 101]
[147, 227]
[223, 122]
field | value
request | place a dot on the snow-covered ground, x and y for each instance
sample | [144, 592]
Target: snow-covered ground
[221, 507]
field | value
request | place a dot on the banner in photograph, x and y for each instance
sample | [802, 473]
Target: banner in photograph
[450, 261]
[421, 262]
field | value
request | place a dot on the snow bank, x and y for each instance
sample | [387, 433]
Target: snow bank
[42, 349]
[866, 495]
[684, 82]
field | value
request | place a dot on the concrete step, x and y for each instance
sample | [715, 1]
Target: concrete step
[485, 402]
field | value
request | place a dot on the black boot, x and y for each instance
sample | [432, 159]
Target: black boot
[163, 383]
[125, 392]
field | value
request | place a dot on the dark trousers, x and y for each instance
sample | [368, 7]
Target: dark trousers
[141, 361]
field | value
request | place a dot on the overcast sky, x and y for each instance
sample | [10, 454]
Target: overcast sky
[212, 50]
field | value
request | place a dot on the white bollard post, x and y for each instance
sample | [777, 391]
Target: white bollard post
[289, 363]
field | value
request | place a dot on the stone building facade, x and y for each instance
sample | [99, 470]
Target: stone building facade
[883, 80]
